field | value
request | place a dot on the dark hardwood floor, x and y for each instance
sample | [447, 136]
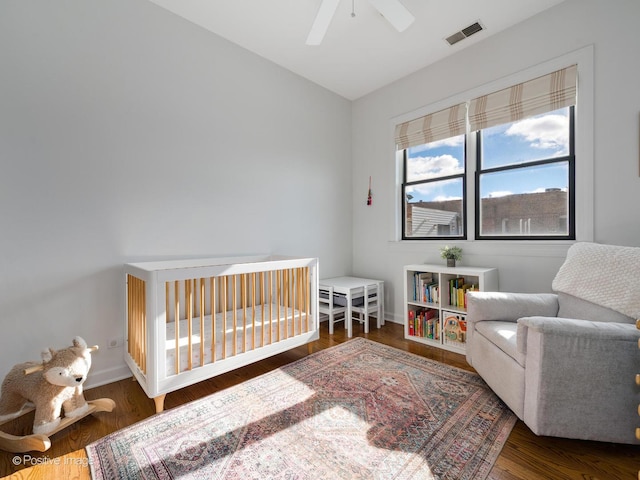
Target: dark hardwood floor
[525, 456]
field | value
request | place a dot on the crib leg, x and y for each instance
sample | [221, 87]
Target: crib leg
[159, 401]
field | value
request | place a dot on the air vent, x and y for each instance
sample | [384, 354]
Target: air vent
[464, 33]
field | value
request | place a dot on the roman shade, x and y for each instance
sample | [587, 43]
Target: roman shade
[446, 123]
[540, 95]
[533, 97]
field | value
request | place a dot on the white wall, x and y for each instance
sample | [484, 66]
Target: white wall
[609, 27]
[127, 133]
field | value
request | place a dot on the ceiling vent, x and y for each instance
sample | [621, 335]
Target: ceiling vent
[464, 33]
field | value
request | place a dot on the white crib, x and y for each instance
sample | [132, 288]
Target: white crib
[190, 320]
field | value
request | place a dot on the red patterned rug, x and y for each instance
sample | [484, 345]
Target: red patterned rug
[359, 410]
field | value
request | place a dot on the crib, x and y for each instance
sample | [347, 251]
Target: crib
[190, 320]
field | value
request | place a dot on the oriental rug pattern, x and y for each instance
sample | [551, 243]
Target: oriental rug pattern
[359, 410]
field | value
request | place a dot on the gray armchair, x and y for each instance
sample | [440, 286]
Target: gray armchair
[565, 362]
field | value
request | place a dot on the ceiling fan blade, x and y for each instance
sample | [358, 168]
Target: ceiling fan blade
[321, 23]
[395, 13]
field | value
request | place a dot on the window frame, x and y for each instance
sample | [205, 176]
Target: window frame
[570, 159]
[584, 151]
[403, 203]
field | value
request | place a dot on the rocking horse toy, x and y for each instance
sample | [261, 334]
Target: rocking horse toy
[49, 387]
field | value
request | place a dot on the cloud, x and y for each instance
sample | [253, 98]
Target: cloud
[447, 142]
[436, 191]
[444, 198]
[548, 132]
[420, 168]
[499, 193]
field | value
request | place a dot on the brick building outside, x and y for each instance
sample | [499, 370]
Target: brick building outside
[540, 213]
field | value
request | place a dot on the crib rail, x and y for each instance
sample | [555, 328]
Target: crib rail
[233, 314]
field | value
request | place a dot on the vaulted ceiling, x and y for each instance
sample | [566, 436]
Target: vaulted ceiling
[359, 53]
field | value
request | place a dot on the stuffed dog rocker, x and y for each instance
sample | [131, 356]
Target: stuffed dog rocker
[51, 386]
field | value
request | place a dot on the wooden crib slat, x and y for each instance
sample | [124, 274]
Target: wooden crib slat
[288, 304]
[189, 306]
[176, 318]
[289, 307]
[285, 298]
[278, 301]
[213, 319]
[296, 300]
[253, 311]
[299, 305]
[299, 297]
[202, 332]
[223, 297]
[270, 307]
[292, 300]
[307, 283]
[243, 296]
[290, 292]
[234, 307]
[262, 334]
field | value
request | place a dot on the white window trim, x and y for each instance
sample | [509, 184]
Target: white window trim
[584, 152]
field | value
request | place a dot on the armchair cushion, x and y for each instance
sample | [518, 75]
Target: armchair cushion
[574, 307]
[509, 307]
[503, 336]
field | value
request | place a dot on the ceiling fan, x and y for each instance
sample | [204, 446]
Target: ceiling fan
[395, 13]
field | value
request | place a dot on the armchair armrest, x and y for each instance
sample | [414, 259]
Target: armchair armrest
[578, 378]
[509, 307]
[585, 330]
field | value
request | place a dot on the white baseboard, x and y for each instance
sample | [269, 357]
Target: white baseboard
[110, 375]
[106, 376]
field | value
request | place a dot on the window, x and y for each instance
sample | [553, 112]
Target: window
[433, 190]
[522, 140]
[525, 178]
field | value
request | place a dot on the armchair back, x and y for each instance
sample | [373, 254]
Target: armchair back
[599, 282]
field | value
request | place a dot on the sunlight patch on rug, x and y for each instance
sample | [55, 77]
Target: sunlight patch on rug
[359, 410]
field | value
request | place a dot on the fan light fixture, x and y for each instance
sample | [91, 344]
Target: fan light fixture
[395, 13]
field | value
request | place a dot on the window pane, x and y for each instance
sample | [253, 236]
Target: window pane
[540, 137]
[434, 209]
[436, 159]
[525, 201]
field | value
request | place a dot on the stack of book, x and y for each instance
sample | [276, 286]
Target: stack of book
[425, 288]
[458, 292]
[424, 323]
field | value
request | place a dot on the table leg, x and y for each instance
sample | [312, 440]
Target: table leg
[347, 321]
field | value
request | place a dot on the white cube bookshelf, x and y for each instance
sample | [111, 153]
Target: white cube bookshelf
[434, 302]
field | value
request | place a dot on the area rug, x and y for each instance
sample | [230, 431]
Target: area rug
[359, 410]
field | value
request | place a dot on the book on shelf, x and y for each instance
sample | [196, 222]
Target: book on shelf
[424, 323]
[458, 291]
[425, 288]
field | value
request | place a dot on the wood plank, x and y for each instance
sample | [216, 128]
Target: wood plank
[524, 457]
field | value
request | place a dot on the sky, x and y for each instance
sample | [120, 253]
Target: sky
[534, 138]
